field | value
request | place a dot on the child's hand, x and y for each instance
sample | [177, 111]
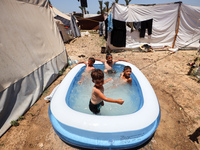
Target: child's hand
[120, 101]
[107, 80]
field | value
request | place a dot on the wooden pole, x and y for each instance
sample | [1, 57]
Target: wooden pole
[178, 22]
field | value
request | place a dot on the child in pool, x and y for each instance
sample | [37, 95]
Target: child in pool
[88, 69]
[97, 93]
[109, 62]
[124, 78]
[125, 75]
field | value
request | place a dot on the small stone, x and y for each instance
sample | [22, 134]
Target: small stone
[40, 145]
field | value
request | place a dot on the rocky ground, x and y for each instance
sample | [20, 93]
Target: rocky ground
[177, 92]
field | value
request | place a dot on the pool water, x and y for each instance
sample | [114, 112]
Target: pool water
[79, 95]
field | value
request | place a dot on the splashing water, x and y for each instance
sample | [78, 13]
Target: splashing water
[81, 93]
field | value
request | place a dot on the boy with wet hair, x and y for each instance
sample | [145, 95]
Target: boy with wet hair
[109, 62]
[89, 65]
[88, 69]
[97, 93]
[125, 75]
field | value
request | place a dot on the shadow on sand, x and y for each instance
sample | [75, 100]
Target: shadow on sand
[193, 136]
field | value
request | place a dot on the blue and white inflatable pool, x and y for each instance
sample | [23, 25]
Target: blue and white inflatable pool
[104, 132]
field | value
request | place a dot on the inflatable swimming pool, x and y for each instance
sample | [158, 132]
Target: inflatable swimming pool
[104, 132]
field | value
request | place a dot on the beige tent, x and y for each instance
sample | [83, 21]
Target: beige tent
[31, 55]
[69, 21]
[65, 33]
[57, 12]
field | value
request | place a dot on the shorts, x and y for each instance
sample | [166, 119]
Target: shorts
[95, 108]
[112, 71]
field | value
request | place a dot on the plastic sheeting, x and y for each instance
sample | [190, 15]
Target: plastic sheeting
[165, 21]
[31, 55]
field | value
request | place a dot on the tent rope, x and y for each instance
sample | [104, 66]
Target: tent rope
[156, 61]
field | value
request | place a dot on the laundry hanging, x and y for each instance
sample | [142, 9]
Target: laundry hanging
[83, 3]
[118, 34]
[134, 26]
[110, 23]
[146, 25]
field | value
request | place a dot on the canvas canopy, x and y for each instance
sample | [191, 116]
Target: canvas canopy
[65, 33]
[173, 25]
[68, 21]
[31, 55]
[90, 23]
[61, 16]
[90, 15]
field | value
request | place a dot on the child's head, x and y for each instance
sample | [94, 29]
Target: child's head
[91, 61]
[109, 57]
[97, 77]
[127, 71]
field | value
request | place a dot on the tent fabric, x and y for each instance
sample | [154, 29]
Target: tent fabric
[90, 15]
[68, 21]
[31, 55]
[74, 27]
[189, 29]
[165, 20]
[56, 12]
[91, 23]
[65, 21]
[65, 33]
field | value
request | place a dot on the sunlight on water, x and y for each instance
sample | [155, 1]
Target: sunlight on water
[81, 93]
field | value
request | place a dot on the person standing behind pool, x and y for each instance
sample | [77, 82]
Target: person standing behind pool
[97, 93]
[88, 69]
[125, 75]
[109, 62]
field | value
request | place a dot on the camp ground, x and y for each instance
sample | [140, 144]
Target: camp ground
[33, 56]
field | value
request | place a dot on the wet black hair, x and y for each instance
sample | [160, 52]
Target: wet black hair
[97, 74]
[92, 59]
[126, 67]
[108, 54]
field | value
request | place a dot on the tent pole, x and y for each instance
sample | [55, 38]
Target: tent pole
[178, 22]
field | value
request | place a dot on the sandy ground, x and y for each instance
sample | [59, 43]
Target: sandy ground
[177, 92]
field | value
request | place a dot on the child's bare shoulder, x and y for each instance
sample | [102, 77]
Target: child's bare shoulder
[96, 90]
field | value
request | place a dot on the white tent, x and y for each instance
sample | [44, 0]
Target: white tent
[90, 15]
[174, 25]
[31, 55]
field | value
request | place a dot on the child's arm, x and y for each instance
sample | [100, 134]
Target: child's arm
[81, 62]
[119, 60]
[81, 80]
[103, 61]
[107, 80]
[121, 75]
[102, 96]
[129, 81]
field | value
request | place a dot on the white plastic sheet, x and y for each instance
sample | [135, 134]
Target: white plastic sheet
[165, 21]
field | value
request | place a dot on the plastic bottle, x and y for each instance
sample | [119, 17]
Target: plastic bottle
[71, 62]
